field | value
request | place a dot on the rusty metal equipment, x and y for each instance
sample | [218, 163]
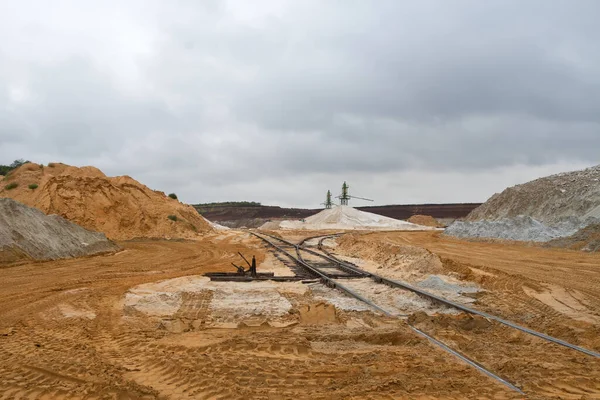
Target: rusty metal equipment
[250, 274]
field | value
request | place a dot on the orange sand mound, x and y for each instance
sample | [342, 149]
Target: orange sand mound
[120, 207]
[426, 220]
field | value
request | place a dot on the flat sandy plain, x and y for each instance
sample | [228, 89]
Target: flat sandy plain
[66, 332]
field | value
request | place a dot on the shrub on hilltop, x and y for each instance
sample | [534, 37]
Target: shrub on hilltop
[5, 169]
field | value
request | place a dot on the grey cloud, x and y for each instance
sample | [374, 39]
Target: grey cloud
[223, 100]
[448, 71]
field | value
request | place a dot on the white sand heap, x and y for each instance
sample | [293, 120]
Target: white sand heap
[541, 210]
[229, 299]
[234, 302]
[345, 217]
[218, 227]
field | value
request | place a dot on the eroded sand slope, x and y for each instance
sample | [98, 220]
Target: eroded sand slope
[26, 232]
[548, 200]
[120, 207]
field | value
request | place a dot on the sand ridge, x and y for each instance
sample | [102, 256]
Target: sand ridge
[120, 207]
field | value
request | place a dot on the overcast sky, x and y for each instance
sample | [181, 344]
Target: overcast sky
[277, 101]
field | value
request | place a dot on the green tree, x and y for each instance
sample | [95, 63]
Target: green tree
[5, 169]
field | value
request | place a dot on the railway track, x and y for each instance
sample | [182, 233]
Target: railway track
[330, 263]
[446, 302]
[332, 283]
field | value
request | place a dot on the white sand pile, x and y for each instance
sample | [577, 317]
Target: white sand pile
[549, 200]
[449, 288]
[521, 228]
[345, 217]
[394, 300]
[541, 210]
[229, 299]
[218, 227]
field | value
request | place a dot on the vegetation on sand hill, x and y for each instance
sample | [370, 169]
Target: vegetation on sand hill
[5, 169]
[229, 204]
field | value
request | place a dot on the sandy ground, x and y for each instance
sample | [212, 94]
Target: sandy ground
[553, 290]
[75, 328]
[568, 276]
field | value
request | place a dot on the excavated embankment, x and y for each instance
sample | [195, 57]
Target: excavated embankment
[541, 210]
[27, 233]
[120, 207]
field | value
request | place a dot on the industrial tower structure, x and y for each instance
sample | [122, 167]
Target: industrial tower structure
[345, 196]
[328, 203]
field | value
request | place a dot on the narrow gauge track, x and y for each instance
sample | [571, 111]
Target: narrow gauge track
[446, 302]
[323, 237]
[346, 266]
[328, 280]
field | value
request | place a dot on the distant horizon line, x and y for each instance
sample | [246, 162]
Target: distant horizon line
[224, 204]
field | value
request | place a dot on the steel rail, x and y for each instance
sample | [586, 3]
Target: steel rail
[320, 245]
[472, 363]
[344, 266]
[394, 283]
[301, 243]
[324, 278]
[449, 303]
[331, 283]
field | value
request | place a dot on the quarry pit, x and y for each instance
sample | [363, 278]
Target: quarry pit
[359, 305]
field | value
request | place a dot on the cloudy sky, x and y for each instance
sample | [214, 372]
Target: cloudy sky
[279, 100]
